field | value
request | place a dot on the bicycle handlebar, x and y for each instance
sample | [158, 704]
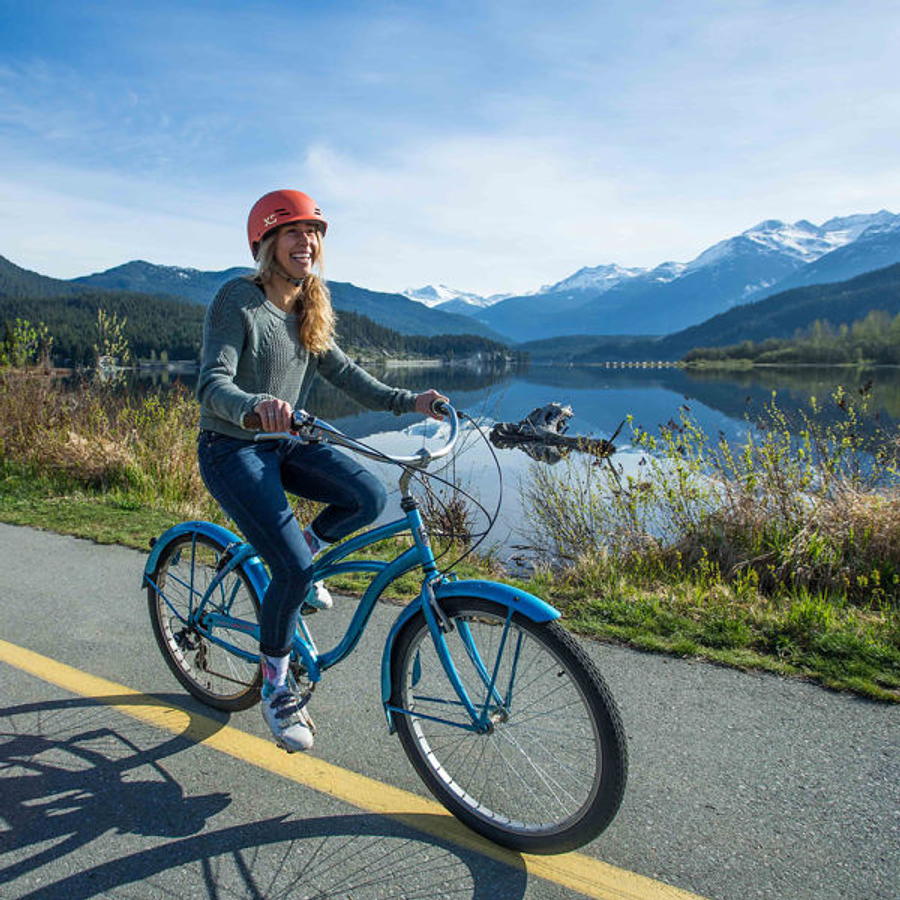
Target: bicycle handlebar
[309, 427]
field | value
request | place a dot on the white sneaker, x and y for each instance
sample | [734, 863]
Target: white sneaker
[318, 596]
[287, 718]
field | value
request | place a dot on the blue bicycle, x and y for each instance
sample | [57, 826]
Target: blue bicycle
[503, 715]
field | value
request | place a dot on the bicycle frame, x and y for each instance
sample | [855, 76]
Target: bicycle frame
[435, 587]
[244, 555]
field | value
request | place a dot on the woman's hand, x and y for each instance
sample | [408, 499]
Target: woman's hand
[275, 415]
[425, 401]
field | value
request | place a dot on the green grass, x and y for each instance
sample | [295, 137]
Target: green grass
[115, 518]
[103, 518]
[808, 637]
[849, 655]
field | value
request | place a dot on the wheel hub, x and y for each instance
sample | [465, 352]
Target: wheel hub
[499, 716]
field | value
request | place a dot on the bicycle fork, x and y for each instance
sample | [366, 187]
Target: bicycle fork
[495, 708]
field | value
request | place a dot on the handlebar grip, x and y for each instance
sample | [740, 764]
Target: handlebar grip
[299, 417]
[440, 407]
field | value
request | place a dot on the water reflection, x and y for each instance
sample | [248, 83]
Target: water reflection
[653, 396]
[723, 403]
[600, 396]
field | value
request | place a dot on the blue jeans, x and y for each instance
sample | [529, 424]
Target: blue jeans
[249, 481]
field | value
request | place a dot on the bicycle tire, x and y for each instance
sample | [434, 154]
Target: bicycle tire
[211, 673]
[550, 775]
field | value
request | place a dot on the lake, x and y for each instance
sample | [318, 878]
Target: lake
[600, 397]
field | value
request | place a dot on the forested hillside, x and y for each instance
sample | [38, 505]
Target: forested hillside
[874, 340]
[18, 282]
[783, 315]
[157, 324]
[591, 348]
[152, 324]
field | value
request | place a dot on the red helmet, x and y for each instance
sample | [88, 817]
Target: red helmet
[278, 208]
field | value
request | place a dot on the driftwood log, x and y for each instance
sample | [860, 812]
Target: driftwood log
[541, 434]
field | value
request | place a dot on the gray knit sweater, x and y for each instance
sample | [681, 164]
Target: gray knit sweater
[252, 352]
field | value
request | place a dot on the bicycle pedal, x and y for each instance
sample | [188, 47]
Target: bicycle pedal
[307, 610]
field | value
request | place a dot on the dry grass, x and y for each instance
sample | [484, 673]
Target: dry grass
[811, 506]
[84, 436]
[139, 449]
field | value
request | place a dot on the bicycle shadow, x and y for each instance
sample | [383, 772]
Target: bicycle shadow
[75, 782]
[70, 776]
[360, 856]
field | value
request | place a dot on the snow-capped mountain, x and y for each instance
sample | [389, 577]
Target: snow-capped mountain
[801, 241]
[853, 226]
[756, 263]
[870, 248]
[432, 295]
[600, 278]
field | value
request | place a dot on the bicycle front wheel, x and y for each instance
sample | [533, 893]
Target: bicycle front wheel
[546, 772]
[188, 641]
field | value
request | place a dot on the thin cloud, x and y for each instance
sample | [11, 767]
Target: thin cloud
[65, 232]
[494, 148]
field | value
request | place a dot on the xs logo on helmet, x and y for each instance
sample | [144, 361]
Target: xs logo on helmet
[270, 220]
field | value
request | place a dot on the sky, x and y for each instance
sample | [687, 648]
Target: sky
[491, 146]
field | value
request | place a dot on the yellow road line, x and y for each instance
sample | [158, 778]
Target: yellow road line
[581, 873]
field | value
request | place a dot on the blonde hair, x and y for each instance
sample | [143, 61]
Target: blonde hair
[316, 314]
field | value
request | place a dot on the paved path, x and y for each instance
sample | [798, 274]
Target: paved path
[741, 786]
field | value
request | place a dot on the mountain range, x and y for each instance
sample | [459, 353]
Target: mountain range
[766, 259]
[769, 260]
[391, 310]
[781, 316]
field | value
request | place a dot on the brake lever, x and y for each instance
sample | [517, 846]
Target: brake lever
[304, 424]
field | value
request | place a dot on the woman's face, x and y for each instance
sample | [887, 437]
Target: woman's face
[297, 247]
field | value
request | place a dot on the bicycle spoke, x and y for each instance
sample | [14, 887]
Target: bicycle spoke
[522, 770]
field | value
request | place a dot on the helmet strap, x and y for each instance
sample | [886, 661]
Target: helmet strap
[296, 282]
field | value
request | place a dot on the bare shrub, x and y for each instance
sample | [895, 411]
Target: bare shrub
[95, 463]
[161, 433]
[810, 503]
[448, 514]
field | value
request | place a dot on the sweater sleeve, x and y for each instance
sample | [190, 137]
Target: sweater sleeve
[343, 373]
[224, 336]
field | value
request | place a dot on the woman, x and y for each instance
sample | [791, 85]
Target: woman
[265, 339]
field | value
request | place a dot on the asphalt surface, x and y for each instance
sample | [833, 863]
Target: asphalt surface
[740, 785]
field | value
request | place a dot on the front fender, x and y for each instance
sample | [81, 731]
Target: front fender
[521, 601]
[513, 598]
[251, 563]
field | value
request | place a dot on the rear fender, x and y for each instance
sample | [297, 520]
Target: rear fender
[243, 553]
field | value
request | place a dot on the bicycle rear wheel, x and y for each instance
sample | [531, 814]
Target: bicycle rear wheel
[549, 773]
[209, 671]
